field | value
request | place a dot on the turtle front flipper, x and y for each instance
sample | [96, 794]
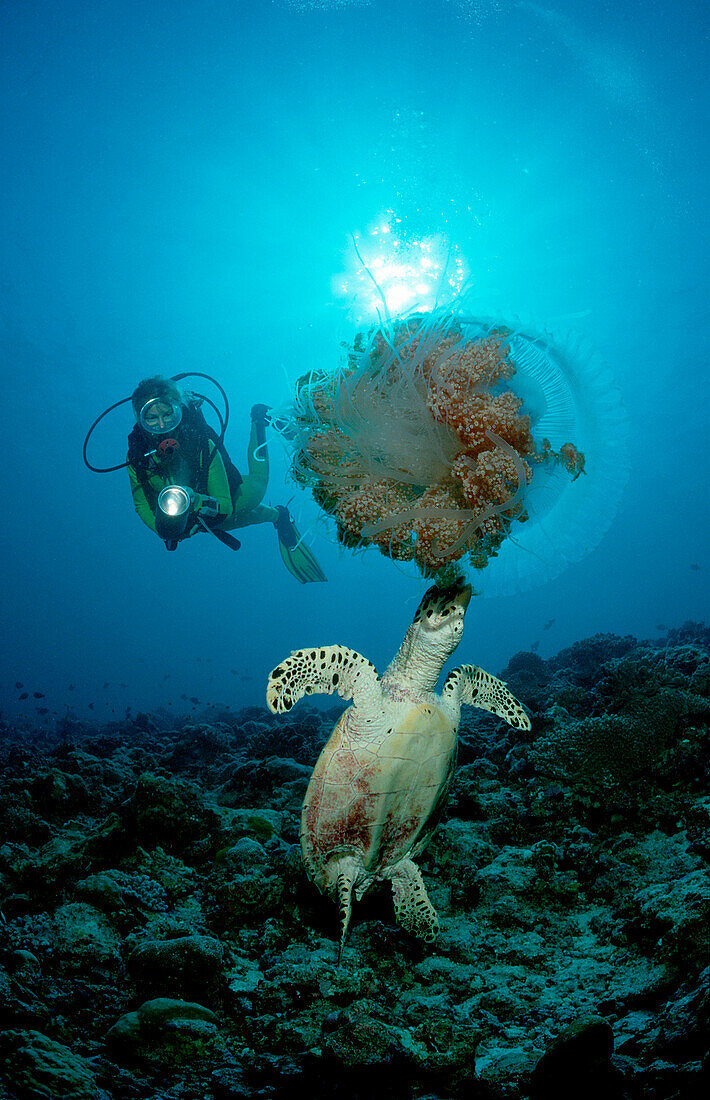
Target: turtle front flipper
[412, 907]
[326, 670]
[470, 684]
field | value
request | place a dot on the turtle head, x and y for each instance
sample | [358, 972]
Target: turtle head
[432, 637]
[442, 609]
[438, 623]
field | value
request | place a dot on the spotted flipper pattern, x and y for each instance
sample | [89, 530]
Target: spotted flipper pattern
[326, 670]
[412, 908]
[472, 685]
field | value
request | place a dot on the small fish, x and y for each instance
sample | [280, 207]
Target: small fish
[234, 671]
[91, 706]
[123, 685]
[18, 685]
[107, 685]
[695, 566]
[194, 699]
[166, 676]
[184, 696]
[71, 688]
[661, 626]
[42, 710]
[548, 625]
[25, 695]
[534, 647]
[38, 695]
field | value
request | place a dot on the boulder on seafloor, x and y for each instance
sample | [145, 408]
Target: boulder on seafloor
[38, 1067]
[245, 855]
[685, 1020]
[165, 1032]
[123, 895]
[383, 1059]
[174, 814]
[184, 963]
[83, 938]
[68, 855]
[243, 899]
[678, 912]
[578, 1063]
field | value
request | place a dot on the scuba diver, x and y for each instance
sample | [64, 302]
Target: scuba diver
[184, 482]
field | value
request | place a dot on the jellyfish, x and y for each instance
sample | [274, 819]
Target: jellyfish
[463, 444]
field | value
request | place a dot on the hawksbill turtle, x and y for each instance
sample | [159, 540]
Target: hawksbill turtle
[379, 784]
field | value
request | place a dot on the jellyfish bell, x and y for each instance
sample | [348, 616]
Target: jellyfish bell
[464, 443]
[572, 398]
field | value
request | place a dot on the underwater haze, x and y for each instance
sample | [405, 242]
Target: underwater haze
[180, 188]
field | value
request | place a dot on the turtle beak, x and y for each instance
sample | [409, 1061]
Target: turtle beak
[458, 594]
[443, 601]
[463, 597]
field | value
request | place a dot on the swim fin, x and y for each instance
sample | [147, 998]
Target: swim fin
[297, 557]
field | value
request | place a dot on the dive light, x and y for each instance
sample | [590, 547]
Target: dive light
[174, 505]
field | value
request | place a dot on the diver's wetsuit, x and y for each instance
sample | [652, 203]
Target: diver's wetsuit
[199, 459]
[246, 500]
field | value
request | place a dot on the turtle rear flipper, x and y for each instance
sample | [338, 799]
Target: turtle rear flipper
[326, 670]
[348, 870]
[470, 684]
[412, 907]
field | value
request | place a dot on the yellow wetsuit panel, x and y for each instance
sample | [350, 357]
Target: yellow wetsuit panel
[251, 491]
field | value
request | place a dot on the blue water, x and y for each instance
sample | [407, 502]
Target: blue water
[178, 188]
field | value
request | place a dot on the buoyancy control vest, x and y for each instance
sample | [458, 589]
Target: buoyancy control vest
[193, 436]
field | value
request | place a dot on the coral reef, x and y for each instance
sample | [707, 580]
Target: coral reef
[159, 937]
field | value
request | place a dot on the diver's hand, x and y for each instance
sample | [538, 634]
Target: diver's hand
[261, 414]
[204, 506]
[194, 525]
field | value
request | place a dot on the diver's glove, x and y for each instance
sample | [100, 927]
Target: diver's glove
[204, 506]
[261, 414]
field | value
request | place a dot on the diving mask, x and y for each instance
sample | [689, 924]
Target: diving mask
[160, 416]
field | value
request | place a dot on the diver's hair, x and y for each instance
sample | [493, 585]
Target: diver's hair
[158, 386]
